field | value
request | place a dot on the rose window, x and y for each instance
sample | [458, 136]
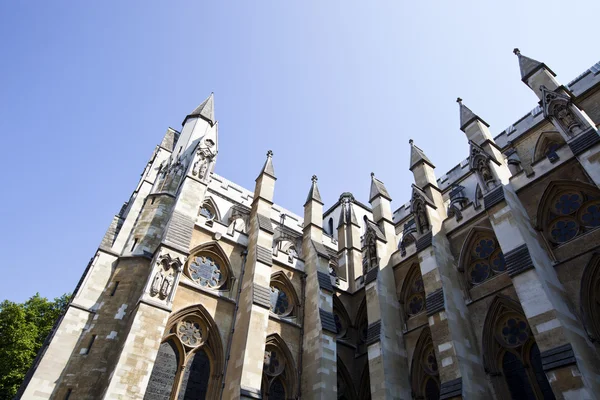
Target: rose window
[479, 272]
[567, 203]
[414, 297]
[205, 271]
[485, 259]
[570, 214]
[591, 215]
[484, 247]
[514, 331]
[430, 362]
[280, 302]
[564, 230]
[190, 333]
[273, 362]
[415, 304]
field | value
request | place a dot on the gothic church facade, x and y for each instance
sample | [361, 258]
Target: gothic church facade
[484, 285]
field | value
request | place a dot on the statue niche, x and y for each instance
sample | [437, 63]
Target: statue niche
[164, 277]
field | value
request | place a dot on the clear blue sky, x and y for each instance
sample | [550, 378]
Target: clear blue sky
[334, 88]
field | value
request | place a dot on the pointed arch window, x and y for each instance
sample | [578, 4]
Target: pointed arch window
[590, 297]
[284, 300]
[187, 359]
[209, 267]
[413, 292]
[341, 318]
[425, 379]
[481, 257]
[547, 145]
[345, 386]
[511, 356]
[567, 210]
[210, 211]
[279, 380]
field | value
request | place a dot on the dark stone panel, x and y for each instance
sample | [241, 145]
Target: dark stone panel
[264, 255]
[324, 281]
[180, 230]
[371, 275]
[518, 260]
[264, 223]
[424, 241]
[163, 373]
[261, 295]
[584, 141]
[194, 383]
[435, 302]
[494, 197]
[320, 249]
[251, 393]
[451, 389]
[557, 357]
[373, 332]
[327, 321]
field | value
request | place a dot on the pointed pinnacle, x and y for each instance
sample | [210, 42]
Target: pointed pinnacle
[268, 167]
[206, 110]
[417, 156]
[313, 193]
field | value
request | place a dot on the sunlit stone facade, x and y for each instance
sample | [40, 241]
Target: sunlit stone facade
[485, 284]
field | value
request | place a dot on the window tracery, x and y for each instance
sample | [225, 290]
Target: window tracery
[279, 372]
[341, 318]
[209, 268]
[481, 257]
[567, 210]
[284, 300]
[424, 371]
[511, 356]
[413, 292]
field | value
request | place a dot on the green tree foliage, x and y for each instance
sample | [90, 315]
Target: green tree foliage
[23, 329]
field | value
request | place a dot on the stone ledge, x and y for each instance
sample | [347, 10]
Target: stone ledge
[264, 255]
[327, 321]
[374, 333]
[451, 389]
[261, 296]
[584, 141]
[371, 275]
[324, 281]
[496, 196]
[557, 357]
[424, 241]
[518, 260]
[434, 302]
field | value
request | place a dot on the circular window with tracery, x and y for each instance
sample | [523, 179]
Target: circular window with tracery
[571, 213]
[486, 260]
[429, 361]
[280, 300]
[513, 331]
[414, 297]
[190, 332]
[273, 362]
[206, 271]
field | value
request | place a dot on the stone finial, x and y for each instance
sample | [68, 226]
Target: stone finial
[372, 174]
[410, 141]
[314, 179]
[459, 100]
[516, 51]
[270, 153]
[268, 167]
[313, 193]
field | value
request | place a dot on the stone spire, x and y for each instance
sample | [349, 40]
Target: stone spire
[313, 193]
[528, 66]
[206, 111]
[467, 116]
[417, 156]
[536, 74]
[347, 216]
[378, 189]
[268, 167]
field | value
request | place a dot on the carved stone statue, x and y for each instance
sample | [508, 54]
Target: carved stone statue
[155, 287]
[421, 218]
[166, 286]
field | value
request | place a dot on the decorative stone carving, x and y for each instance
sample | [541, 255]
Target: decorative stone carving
[165, 276]
[479, 161]
[558, 108]
[370, 259]
[205, 154]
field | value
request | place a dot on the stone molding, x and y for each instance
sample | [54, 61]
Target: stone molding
[451, 389]
[264, 223]
[494, 197]
[518, 260]
[324, 281]
[424, 241]
[434, 302]
[584, 141]
[264, 255]
[371, 275]
[327, 321]
[261, 296]
[557, 357]
[374, 333]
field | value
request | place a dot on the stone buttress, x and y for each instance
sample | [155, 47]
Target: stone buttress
[460, 367]
[245, 367]
[542, 296]
[319, 358]
[388, 363]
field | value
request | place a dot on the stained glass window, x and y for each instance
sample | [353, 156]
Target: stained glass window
[514, 331]
[414, 298]
[206, 271]
[430, 362]
[591, 215]
[484, 247]
[564, 229]
[479, 272]
[485, 259]
[567, 203]
[279, 300]
[571, 213]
